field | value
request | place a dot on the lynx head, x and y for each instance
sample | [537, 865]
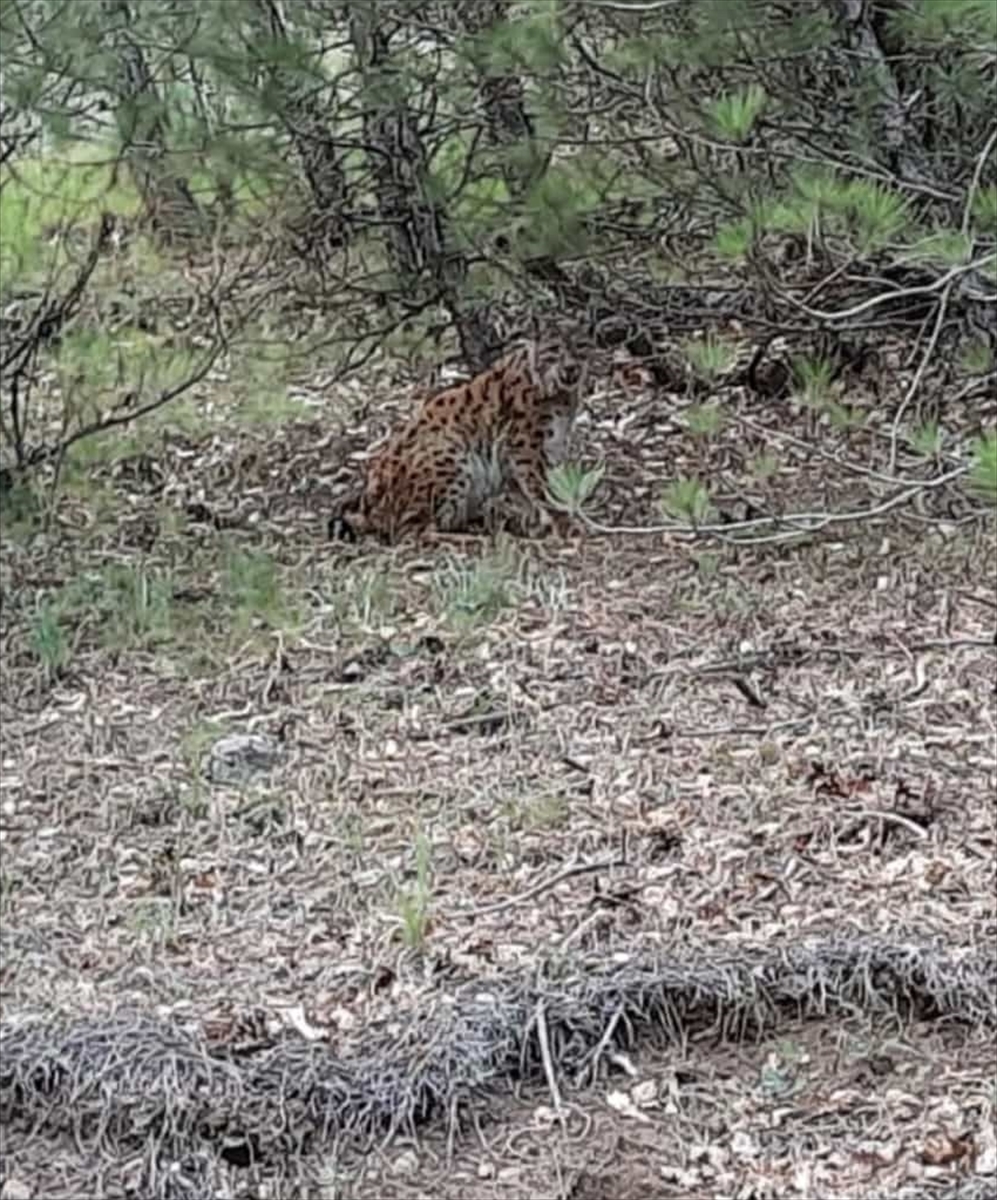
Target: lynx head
[552, 357]
[557, 366]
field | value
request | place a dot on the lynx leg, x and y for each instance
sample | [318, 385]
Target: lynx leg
[529, 476]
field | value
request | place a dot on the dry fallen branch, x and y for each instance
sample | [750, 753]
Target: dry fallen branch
[903, 293]
[132, 1085]
[786, 526]
[545, 885]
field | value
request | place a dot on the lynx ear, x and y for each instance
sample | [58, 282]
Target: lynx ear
[506, 328]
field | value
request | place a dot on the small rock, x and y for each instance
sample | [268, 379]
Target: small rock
[407, 1163]
[15, 1189]
[239, 757]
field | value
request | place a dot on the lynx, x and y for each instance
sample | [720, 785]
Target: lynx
[471, 445]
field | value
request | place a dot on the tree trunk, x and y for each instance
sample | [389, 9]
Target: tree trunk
[503, 100]
[309, 124]
[414, 222]
[897, 136]
[169, 204]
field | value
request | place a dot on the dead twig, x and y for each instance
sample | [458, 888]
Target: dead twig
[905, 293]
[544, 886]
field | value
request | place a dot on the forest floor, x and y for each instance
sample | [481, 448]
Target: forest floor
[499, 754]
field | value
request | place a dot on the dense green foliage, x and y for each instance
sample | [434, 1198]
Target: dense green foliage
[440, 161]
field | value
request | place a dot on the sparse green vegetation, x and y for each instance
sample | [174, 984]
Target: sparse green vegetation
[984, 473]
[764, 466]
[196, 740]
[734, 115]
[572, 487]
[984, 209]
[48, 640]
[543, 811]
[927, 439]
[414, 902]
[151, 920]
[126, 605]
[704, 420]
[366, 597]
[946, 247]
[733, 240]
[844, 416]
[50, 199]
[707, 564]
[814, 380]
[977, 357]
[709, 357]
[688, 500]
[876, 214]
[475, 591]
[252, 585]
